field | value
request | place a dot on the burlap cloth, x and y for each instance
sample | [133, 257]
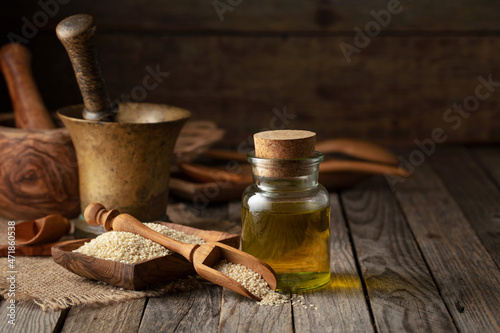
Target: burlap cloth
[42, 281]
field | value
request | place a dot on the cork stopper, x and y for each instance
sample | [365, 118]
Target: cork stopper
[284, 144]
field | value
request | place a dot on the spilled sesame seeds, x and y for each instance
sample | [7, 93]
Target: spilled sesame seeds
[299, 301]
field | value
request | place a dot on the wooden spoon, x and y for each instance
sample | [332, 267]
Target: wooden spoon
[335, 166]
[29, 109]
[44, 230]
[203, 257]
[359, 149]
[206, 174]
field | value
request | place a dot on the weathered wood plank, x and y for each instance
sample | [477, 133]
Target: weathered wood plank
[30, 318]
[191, 311]
[341, 305]
[240, 314]
[274, 16]
[475, 193]
[401, 290]
[121, 317]
[490, 159]
[238, 82]
[467, 277]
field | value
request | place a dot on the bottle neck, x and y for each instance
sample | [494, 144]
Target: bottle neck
[285, 175]
[299, 183]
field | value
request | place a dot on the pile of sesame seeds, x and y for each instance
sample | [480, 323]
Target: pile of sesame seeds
[129, 248]
[252, 281]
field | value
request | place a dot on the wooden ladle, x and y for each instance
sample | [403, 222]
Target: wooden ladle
[204, 257]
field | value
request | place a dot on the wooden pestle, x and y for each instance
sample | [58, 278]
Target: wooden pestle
[29, 109]
[204, 257]
[77, 34]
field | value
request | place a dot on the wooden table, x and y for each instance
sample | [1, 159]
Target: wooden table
[422, 255]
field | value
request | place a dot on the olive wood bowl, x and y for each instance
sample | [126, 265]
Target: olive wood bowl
[143, 274]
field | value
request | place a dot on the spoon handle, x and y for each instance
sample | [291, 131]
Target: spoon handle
[358, 148]
[77, 34]
[332, 166]
[29, 109]
[96, 214]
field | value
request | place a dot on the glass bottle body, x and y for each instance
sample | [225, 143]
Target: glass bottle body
[286, 221]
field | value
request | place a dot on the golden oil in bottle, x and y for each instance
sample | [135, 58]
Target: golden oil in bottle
[285, 212]
[295, 242]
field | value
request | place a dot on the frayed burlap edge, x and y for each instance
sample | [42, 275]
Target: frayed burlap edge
[119, 296]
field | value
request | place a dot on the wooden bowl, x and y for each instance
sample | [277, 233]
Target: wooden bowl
[141, 275]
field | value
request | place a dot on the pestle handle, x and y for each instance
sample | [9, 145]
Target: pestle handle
[96, 214]
[29, 109]
[77, 34]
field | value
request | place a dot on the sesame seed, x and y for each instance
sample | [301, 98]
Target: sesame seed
[129, 248]
[253, 282]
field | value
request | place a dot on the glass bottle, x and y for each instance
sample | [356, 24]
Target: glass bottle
[286, 220]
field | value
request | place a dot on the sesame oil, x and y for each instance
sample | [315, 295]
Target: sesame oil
[293, 241]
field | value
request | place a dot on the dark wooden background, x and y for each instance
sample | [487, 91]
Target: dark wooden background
[279, 54]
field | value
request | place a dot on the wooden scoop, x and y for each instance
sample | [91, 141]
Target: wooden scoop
[77, 34]
[203, 257]
[44, 230]
[30, 111]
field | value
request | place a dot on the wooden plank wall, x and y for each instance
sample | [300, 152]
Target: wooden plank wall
[287, 54]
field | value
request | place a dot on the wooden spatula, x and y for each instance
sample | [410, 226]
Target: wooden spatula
[204, 257]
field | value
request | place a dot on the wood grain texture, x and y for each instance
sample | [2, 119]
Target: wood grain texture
[193, 311]
[122, 317]
[312, 81]
[464, 272]
[31, 318]
[140, 275]
[320, 16]
[401, 290]
[341, 305]
[38, 174]
[239, 314]
[474, 191]
[204, 257]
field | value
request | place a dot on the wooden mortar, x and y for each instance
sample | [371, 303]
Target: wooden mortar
[38, 169]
